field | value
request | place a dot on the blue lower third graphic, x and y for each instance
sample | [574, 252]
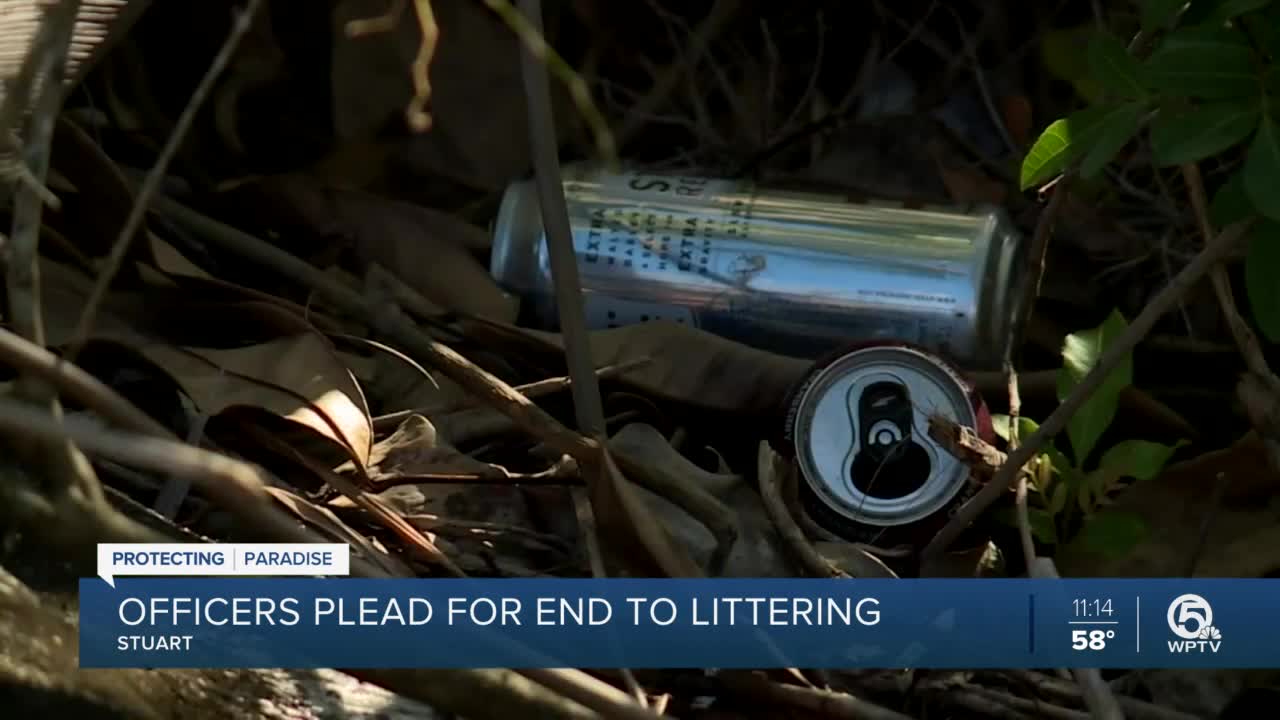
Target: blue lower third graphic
[722, 623]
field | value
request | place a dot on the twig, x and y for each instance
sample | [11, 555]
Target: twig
[532, 390]
[151, 185]
[371, 504]
[69, 482]
[1097, 693]
[591, 692]
[588, 406]
[1244, 336]
[821, 703]
[29, 358]
[1034, 272]
[579, 93]
[1164, 301]
[1134, 708]
[1020, 504]
[667, 82]
[962, 442]
[767, 475]
[496, 694]
[236, 486]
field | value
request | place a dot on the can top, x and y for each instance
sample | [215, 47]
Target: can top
[861, 435]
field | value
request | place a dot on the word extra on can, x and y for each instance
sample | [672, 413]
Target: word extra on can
[795, 273]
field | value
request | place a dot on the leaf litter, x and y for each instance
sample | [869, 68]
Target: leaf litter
[362, 429]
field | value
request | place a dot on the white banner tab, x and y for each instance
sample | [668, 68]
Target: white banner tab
[253, 559]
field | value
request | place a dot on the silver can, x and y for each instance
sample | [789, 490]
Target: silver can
[795, 273]
[858, 427]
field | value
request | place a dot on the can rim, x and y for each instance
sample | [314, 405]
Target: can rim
[831, 479]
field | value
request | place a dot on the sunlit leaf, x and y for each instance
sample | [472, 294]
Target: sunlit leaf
[1138, 459]
[1197, 133]
[1071, 137]
[1080, 353]
[1026, 426]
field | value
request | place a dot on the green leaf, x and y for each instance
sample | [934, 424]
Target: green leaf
[1042, 525]
[1080, 353]
[1114, 68]
[1138, 459]
[1225, 10]
[1111, 534]
[1202, 62]
[1262, 169]
[1057, 460]
[1058, 498]
[1231, 203]
[1261, 266]
[1157, 14]
[1192, 135]
[1264, 28]
[1116, 129]
[1065, 55]
[1026, 426]
[1098, 131]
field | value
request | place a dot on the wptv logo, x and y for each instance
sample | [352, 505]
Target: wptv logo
[1191, 619]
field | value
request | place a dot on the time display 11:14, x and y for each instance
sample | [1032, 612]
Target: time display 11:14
[1091, 608]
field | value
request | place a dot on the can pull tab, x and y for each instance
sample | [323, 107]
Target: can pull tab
[890, 463]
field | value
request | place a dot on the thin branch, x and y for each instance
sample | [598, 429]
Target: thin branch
[151, 185]
[1163, 302]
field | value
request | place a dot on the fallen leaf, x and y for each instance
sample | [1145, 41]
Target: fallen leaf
[323, 520]
[621, 511]
[645, 443]
[299, 378]
[1243, 538]
[428, 250]
[415, 449]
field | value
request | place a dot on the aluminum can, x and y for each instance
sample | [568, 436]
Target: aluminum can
[858, 428]
[796, 273]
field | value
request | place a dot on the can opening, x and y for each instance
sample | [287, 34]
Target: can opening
[890, 464]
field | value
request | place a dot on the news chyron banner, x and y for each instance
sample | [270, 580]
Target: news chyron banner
[206, 613]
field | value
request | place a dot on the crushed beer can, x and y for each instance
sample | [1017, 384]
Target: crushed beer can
[857, 426]
[795, 273]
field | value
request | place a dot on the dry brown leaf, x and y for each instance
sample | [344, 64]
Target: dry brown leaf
[621, 509]
[416, 449]
[1243, 538]
[324, 521]
[645, 443]
[276, 376]
[426, 249]
[685, 364]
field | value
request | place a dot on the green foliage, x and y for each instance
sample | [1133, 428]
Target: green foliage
[1067, 487]
[1193, 133]
[1260, 283]
[1210, 62]
[1208, 89]
[1080, 353]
